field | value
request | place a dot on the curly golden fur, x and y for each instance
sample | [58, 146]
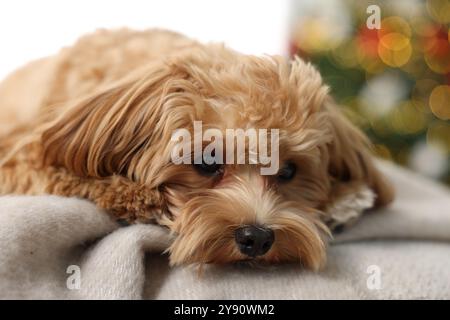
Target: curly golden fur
[95, 121]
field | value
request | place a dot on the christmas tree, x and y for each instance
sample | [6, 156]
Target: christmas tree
[392, 79]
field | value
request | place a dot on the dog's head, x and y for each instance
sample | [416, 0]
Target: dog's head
[223, 212]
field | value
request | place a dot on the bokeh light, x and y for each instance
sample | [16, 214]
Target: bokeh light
[382, 151]
[439, 10]
[420, 94]
[428, 159]
[345, 54]
[394, 82]
[439, 134]
[440, 102]
[406, 119]
[437, 50]
[394, 47]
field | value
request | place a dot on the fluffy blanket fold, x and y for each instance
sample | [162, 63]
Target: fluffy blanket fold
[401, 252]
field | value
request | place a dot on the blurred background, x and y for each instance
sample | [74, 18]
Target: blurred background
[31, 29]
[393, 82]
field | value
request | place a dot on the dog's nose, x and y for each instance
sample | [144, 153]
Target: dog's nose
[254, 240]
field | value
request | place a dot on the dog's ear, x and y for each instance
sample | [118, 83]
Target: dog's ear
[121, 130]
[350, 158]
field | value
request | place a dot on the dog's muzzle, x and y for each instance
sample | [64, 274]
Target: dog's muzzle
[254, 240]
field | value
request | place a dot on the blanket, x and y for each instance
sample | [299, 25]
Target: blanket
[65, 248]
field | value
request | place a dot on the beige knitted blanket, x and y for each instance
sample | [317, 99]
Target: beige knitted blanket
[59, 248]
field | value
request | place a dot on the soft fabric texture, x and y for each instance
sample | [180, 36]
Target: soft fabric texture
[407, 245]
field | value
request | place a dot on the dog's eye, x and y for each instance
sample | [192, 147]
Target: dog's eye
[287, 172]
[209, 169]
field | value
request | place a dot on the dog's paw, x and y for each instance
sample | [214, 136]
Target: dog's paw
[347, 209]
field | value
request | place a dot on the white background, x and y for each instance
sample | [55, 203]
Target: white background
[32, 29]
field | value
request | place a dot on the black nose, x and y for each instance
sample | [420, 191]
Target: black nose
[254, 240]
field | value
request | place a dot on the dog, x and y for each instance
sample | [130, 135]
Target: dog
[95, 121]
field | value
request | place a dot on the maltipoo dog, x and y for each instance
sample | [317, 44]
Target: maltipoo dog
[97, 120]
